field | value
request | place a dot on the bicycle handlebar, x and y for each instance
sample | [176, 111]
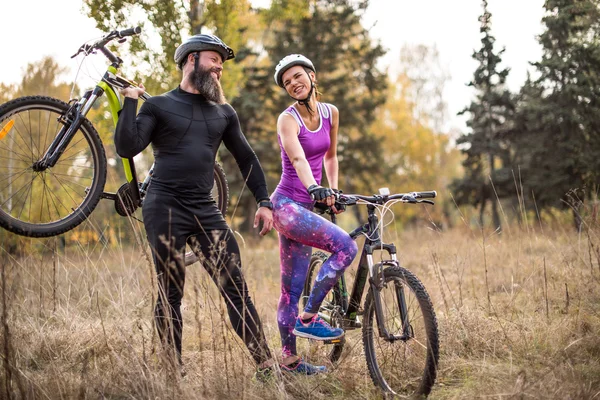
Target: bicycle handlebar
[411, 197]
[99, 45]
[352, 199]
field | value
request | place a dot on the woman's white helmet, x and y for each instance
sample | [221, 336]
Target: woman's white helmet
[288, 62]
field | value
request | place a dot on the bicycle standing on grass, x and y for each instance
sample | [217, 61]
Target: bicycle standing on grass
[399, 326]
[53, 164]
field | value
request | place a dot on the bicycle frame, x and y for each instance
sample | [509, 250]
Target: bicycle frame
[372, 272]
[74, 117]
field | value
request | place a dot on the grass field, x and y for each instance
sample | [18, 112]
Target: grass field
[518, 314]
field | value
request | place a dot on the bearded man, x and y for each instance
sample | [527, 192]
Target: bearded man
[186, 127]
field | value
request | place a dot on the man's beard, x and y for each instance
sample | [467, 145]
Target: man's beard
[207, 85]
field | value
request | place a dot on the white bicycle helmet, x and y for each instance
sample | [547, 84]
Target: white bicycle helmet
[202, 42]
[288, 62]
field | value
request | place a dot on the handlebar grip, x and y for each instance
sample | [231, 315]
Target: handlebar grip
[129, 32]
[427, 195]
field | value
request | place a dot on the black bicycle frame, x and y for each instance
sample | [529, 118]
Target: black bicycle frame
[373, 273]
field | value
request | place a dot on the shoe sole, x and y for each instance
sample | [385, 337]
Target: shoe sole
[309, 336]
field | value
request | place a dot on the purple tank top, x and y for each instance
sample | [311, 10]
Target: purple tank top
[315, 144]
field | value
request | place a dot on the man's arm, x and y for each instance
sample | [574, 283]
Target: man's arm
[133, 132]
[247, 161]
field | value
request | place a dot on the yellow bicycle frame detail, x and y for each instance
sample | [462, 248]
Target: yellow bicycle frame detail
[115, 106]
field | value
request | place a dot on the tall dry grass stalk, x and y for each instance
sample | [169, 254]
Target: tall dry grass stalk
[518, 312]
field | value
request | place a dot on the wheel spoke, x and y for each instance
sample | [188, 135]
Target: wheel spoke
[402, 366]
[52, 195]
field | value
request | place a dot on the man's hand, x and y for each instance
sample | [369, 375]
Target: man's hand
[133, 92]
[264, 215]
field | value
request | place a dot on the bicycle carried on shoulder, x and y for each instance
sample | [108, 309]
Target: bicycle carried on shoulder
[399, 326]
[52, 161]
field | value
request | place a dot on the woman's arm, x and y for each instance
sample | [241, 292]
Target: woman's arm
[331, 160]
[287, 129]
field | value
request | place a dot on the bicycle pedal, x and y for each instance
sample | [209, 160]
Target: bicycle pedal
[335, 341]
[353, 324]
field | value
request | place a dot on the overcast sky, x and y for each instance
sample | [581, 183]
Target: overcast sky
[33, 29]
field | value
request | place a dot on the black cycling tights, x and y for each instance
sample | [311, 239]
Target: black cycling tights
[220, 256]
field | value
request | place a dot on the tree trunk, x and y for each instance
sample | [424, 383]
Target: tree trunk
[493, 197]
[577, 220]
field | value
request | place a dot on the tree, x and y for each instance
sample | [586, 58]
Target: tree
[428, 76]
[329, 32]
[345, 58]
[487, 157]
[557, 135]
[418, 157]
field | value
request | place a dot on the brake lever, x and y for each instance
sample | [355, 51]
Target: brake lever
[409, 199]
[426, 201]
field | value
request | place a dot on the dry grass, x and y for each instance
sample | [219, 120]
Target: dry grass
[519, 316]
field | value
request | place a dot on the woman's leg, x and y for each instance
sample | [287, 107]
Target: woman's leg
[221, 258]
[299, 224]
[294, 259]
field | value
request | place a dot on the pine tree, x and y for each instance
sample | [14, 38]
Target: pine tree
[557, 137]
[486, 160]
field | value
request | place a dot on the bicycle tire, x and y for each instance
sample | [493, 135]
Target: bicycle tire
[220, 190]
[70, 197]
[331, 306]
[413, 369]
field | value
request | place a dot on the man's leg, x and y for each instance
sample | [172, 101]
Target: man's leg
[167, 247]
[221, 258]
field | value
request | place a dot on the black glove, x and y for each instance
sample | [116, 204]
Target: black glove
[319, 193]
[339, 206]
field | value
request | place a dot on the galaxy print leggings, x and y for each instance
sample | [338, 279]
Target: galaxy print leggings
[299, 231]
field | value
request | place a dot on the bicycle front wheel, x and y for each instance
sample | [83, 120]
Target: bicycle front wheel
[42, 202]
[404, 363]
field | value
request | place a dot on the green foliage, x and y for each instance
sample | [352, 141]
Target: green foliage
[330, 34]
[556, 138]
[163, 20]
[487, 158]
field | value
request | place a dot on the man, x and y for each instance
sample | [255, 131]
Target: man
[186, 126]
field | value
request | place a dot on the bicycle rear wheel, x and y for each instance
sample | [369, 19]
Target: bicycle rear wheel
[220, 191]
[408, 364]
[38, 202]
[331, 310]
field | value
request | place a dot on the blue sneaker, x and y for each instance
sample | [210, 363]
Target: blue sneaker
[317, 329]
[301, 367]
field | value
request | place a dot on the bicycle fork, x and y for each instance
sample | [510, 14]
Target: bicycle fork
[71, 121]
[377, 283]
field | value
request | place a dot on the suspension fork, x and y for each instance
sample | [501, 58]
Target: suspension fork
[71, 120]
[377, 283]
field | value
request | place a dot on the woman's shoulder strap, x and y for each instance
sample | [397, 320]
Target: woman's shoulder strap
[325, 110]
[294, 113]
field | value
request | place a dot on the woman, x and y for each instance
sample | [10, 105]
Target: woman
[307, 134]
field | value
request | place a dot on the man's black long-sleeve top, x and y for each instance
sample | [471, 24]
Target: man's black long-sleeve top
[186, 130]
